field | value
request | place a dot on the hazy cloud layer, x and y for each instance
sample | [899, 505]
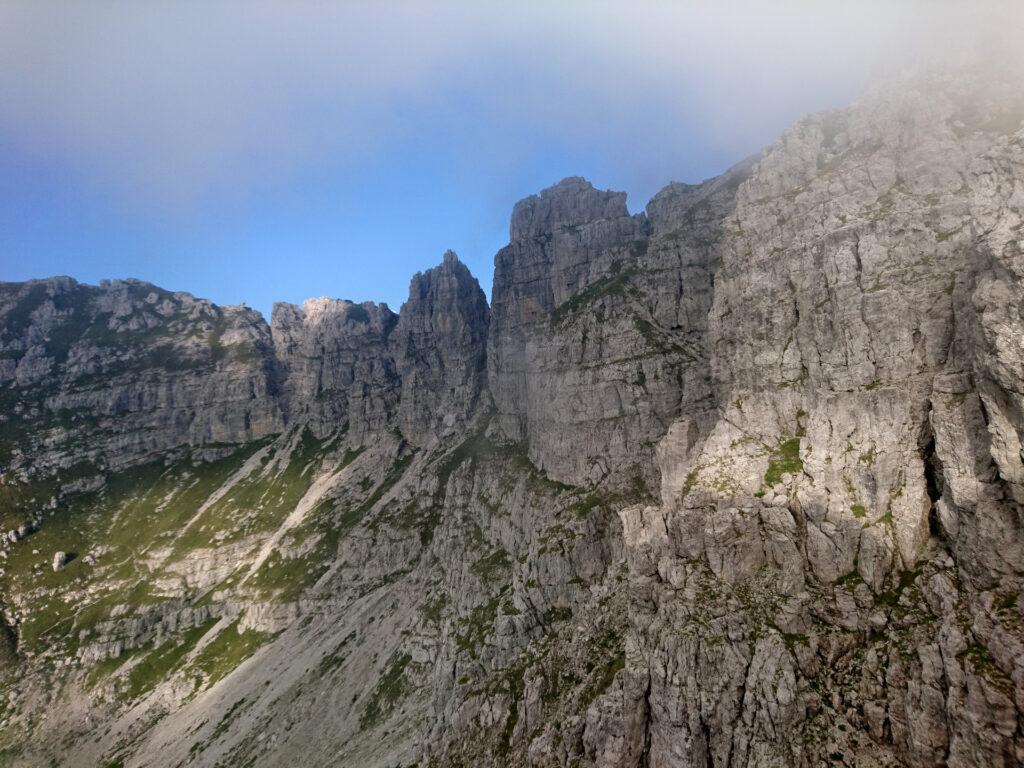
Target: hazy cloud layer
[169, 103]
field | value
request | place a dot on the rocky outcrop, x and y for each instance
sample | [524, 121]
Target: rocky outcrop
[335, 370]
[440, 350]
[822, 578]
[110, 374]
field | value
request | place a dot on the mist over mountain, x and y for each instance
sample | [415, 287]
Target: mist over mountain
[732, 481]
[301, 149]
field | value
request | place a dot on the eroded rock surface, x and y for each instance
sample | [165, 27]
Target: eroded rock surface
[735, 481]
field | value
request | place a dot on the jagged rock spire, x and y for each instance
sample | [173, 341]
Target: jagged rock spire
[440, 349]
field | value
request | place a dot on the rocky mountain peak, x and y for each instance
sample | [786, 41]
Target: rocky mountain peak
[677, 203]
[434, 287]
[327, 312]
[440, 348]
[572, 202]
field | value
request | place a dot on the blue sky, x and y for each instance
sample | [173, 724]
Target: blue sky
[276, 151]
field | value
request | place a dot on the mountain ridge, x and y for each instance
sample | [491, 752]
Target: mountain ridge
[732, 481]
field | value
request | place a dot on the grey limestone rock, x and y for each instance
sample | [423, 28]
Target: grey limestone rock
[734, 481]
[334, 367]
[440, 349]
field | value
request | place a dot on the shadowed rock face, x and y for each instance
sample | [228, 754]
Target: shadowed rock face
[735, 482]
[440, 350]
[562, 241]
[599, 331]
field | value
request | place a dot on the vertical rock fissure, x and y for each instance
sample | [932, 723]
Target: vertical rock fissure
[933, 476]
[645, 755]
[709, 761]
[8, 642]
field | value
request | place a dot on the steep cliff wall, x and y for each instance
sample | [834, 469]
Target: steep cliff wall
[440, 350]
[107, 375]
[598, 335]
[835, 571]
[734, 481]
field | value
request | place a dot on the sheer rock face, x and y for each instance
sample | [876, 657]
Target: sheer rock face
[861, 480]
[735, 482]
[440, 350]
[560, 241]
[116, 372]
[334, 365]
[597, 337]
[362, 368]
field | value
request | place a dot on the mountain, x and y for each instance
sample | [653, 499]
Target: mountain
[735, 481]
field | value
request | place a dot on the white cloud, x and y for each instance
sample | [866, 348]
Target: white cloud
[164, 103]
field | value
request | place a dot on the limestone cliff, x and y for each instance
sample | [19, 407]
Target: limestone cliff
[107, 375]
[335, 372]
[440, 349]
[735, 481]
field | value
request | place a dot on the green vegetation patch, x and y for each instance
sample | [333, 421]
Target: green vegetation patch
[892, 597]
[785, 459]
[635, 492]
[582, 508]
[107, 667]
[478, 448]
[514, 679]
[391, 478]
[433, 609]
[606, 675]
[389, 690]
[557, 614]
[284, 577]
[613, 285]
[493, 566]
[157, 665]
[665, 342]
[138, 510]
[224, 653]
[338, 656]
[258, 503]
[849, 580]
[984, 665]
[474, 628]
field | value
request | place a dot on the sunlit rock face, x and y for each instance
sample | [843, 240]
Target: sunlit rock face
[112, 373]
[734, 481]
[335, 370]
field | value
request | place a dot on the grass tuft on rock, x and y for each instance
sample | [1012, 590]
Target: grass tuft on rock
[785, 459]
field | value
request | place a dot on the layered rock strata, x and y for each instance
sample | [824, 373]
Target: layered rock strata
[733, 481]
